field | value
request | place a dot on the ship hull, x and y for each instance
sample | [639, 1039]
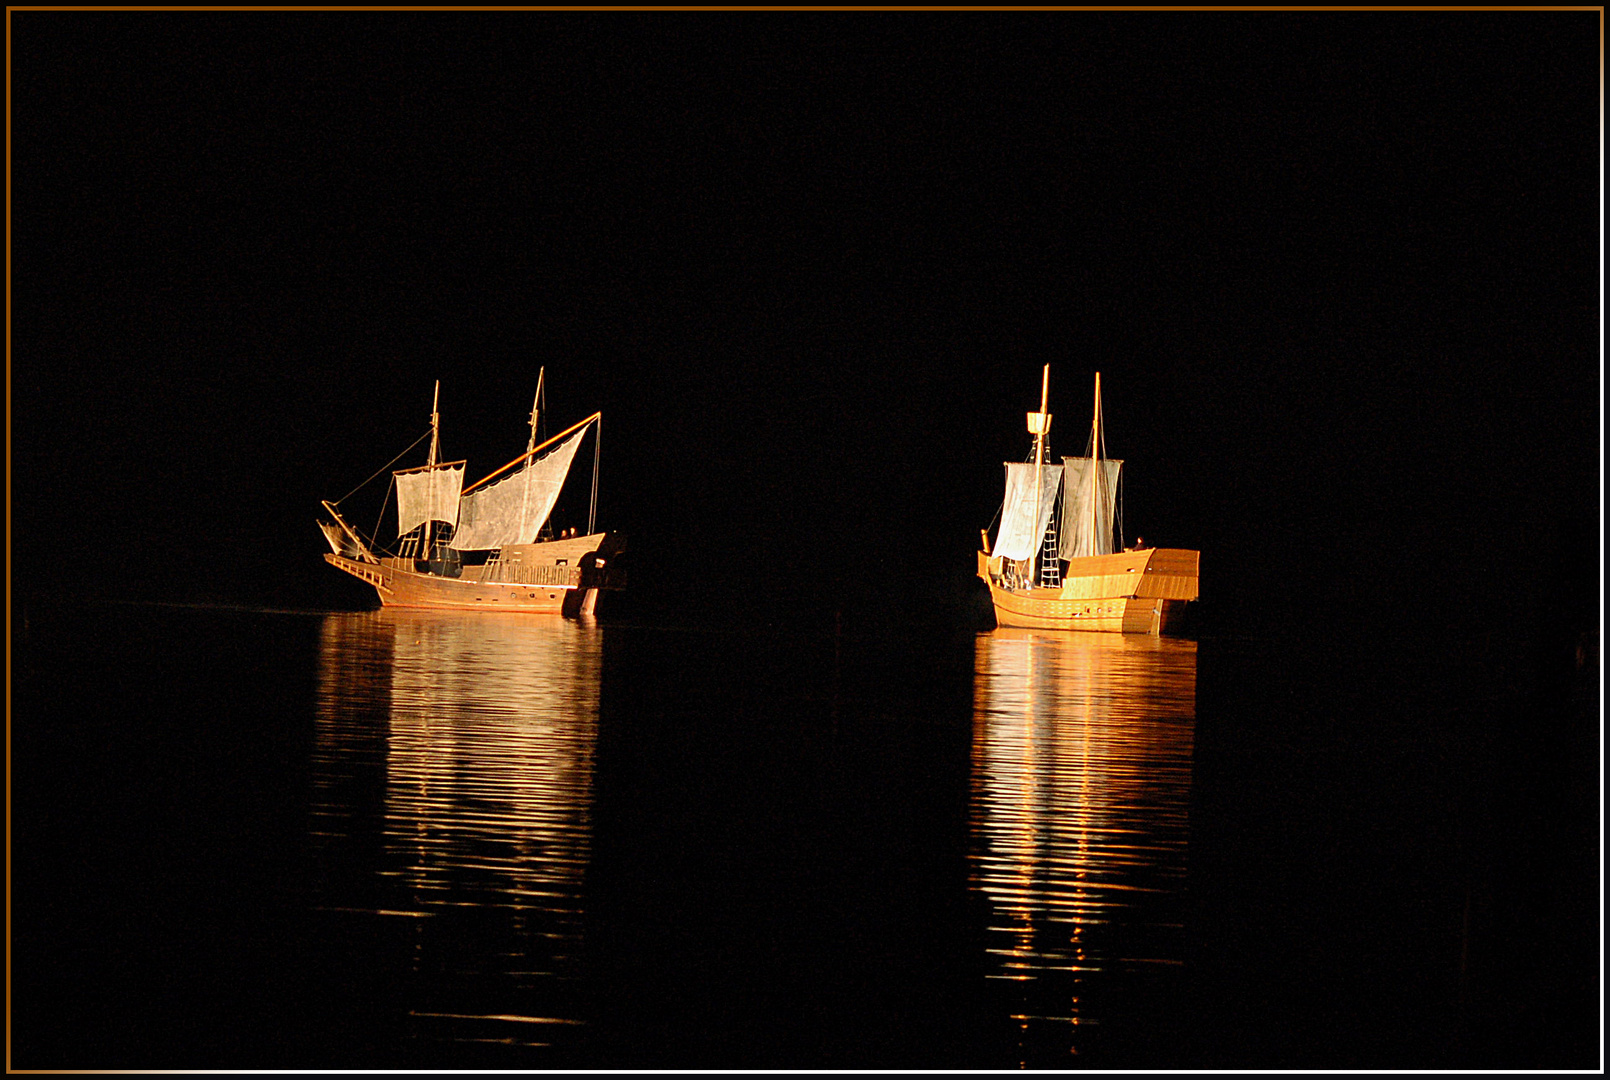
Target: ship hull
[1132, 592]
[561, 577]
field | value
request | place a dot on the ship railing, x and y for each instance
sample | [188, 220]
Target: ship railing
[533, 574]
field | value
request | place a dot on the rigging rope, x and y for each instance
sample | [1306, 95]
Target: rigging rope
[382, 469]
[1121, 486]
[374, 537]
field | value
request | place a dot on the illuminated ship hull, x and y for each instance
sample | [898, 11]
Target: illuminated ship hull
[481, 547]
[1131, 592]
[1055, 563]
[557, 577]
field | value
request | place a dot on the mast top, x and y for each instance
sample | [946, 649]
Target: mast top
[435, 424]
[1095, 424]
[536, 412]
[1040, 422]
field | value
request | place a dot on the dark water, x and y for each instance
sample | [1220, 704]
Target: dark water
[275, 839]
[1081, 785]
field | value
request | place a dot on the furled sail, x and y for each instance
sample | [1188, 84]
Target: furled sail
[1082, 533]
[1021, 529]
[511, 509]
[339, 541]
[428, 493]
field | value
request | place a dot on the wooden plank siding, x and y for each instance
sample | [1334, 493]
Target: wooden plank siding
[554, 577]
[1131, 592]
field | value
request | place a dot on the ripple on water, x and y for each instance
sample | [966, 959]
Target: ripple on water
[1081, 768]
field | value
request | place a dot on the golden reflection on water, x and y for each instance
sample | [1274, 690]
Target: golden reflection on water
[453, 775]
[1081, 786]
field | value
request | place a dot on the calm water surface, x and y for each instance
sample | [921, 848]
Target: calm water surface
[278, 840]
[479, 737]
[479, 734]
[1080, 823]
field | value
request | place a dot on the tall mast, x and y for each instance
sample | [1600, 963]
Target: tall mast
[1039, 435]
[531, 444]
[435, 426]
[598, 443]
[536, 412]
[1039, 423]
[435, 453]
[1095, 470]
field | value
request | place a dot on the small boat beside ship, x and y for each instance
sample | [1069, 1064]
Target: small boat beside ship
[1055, 564]
[487, 546]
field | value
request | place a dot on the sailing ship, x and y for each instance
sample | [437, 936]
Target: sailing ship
[487, 546]
[1054, 564]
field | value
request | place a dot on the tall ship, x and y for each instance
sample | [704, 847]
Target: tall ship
[1055, 563]
[487, 546]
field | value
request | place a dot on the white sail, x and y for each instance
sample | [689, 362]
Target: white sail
[426, 494]
[1082, 533]
[511, 509]
[1021, 528]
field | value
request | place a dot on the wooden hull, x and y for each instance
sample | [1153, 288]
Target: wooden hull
[557, 577]
[1132, 592]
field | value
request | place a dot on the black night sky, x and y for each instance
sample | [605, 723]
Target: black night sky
[1337, 269]
[1339, 272]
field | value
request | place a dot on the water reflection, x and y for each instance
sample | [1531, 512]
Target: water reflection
[453, 777]
[1081, 781]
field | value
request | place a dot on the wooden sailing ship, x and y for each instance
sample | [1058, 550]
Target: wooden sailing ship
[487, 546]
[1054, 564]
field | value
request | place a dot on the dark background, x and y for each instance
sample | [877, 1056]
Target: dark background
[1338, 272]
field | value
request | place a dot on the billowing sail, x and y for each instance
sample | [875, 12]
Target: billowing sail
[428, 493]
[1082, 533]
[1021, 529]
[512, 508]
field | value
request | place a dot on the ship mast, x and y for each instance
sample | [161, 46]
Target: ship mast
[1095, 470]
[531, 444]
[1039, 424]
[435, 453]
[536, 411]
